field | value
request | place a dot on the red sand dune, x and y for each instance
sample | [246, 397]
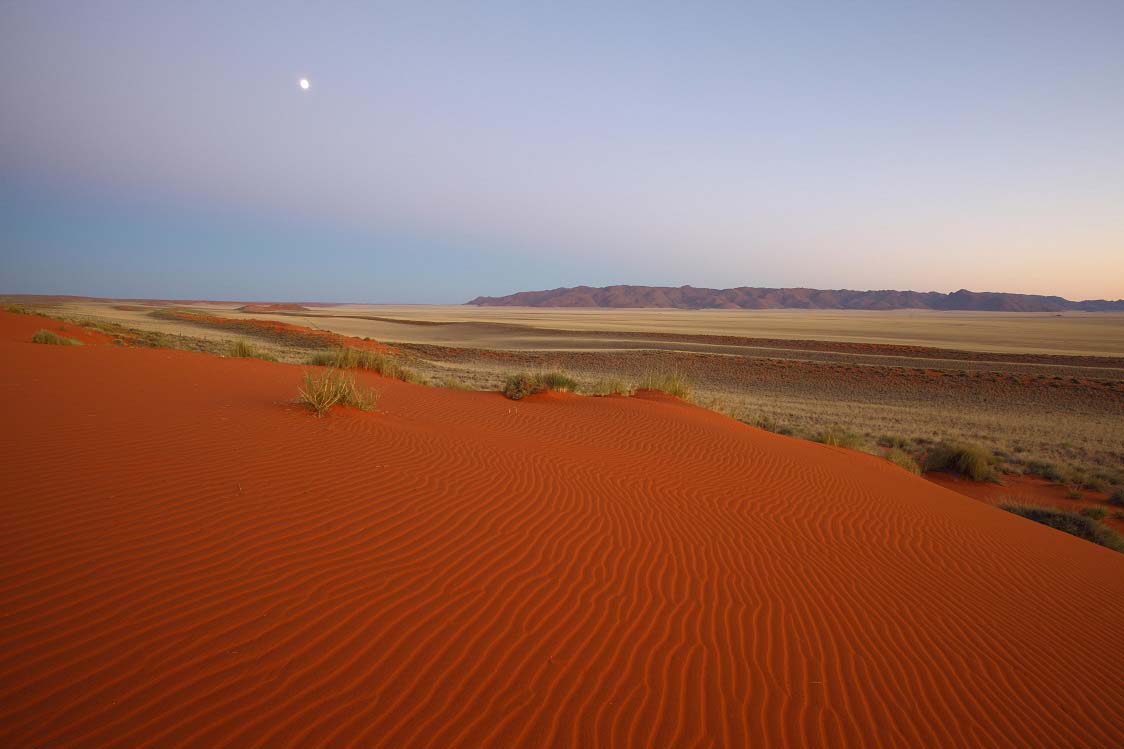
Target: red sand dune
[22, 327]
[189, 559]
[283, 332]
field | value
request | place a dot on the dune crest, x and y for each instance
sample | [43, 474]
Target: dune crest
[188, 558]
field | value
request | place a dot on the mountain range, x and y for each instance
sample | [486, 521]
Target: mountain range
[747, 297]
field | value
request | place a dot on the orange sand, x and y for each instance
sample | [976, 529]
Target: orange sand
[189, 559]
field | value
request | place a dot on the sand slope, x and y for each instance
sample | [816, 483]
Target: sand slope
[188, 559]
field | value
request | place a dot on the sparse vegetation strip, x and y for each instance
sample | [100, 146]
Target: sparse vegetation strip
[352, 358]
[1076, 524]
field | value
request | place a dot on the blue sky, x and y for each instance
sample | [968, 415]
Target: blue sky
[446, 150]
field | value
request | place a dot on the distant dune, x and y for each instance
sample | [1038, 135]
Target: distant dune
[190, 559]
[266, 308]
[747, 297]
[259, 307]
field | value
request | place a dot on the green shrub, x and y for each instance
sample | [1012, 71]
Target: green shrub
[837, 436]
[54, 339]
[1116, 498]
[521, 385]
[672, 383]
[903, 459]
[334, 388]
[353, 358]
[1071, 523]
[968, 460]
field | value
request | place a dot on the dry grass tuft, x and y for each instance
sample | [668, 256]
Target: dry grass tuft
[770, 424]
[353, 358]
[968, 460]
[903, 459]
[894, 441]
[673, 383]
[526, 383]
[607, 386]
[837, 436]
[246, 350]
[53, 339]
[334, 388]
[1096, 513]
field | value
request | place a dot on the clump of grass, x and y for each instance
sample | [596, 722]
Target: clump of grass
[769, 424]
[1116, 499]
[521, 385]
[839, 437]
[344, 358]
[894, 441]
[1048, 471]
[1073, 476]
[334, 388]
[607, 386]
[246, 350]
[903, 459]
[1096, 513]
[968, 460]
[672, 383]
[1071, 523]
[353, 358]
[557, 381]
[52, 338]
[452, 383]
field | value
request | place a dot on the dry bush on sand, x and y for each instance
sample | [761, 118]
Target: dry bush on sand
[334, 388]
[54, 339]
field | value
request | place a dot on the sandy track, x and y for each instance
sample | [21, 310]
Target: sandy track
[188, 559]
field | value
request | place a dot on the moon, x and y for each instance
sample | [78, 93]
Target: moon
[304, 84]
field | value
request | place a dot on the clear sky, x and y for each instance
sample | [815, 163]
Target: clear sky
[445, 150]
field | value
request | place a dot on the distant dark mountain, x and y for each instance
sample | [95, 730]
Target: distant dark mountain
[745, 297]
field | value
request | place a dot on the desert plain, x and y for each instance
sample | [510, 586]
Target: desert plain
[1036, 388]
[190, 557]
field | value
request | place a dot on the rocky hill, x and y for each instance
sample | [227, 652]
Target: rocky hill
[746, 297]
